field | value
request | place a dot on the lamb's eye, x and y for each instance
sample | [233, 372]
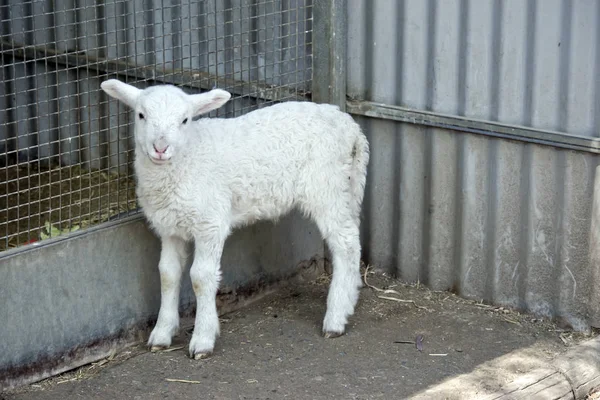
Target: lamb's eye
[141, 115]
[184, 121]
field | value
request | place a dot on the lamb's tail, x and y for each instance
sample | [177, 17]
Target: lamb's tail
[358, 178]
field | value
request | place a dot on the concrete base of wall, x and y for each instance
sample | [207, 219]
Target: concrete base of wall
[70, 302]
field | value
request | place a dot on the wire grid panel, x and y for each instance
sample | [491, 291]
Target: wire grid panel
[66, 151]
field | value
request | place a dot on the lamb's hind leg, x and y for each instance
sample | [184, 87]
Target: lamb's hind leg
[344, 244]
[171, 262]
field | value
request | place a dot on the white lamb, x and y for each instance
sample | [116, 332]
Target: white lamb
[198, 180]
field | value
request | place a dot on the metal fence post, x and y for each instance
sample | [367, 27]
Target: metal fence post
[329, 52]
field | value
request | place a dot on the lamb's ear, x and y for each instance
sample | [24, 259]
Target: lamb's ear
[206, 102]
[121, 91]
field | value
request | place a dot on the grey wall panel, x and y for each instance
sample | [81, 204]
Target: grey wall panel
[493, 220]
[532, 63]
[503, 221]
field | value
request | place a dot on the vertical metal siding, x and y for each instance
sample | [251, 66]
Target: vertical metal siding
[503, 221]
[526, 63]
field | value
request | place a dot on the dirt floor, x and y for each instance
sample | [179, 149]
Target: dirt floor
[273, 349]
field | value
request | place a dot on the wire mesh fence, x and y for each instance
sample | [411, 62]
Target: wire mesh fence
[66, 151]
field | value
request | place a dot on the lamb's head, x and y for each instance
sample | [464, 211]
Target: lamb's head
[163, 114]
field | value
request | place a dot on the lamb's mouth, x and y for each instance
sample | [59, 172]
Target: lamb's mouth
[158, 161]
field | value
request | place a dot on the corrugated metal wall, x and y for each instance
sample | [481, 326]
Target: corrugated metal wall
[498, 220]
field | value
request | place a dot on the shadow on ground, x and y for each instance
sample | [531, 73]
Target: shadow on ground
[273, 349]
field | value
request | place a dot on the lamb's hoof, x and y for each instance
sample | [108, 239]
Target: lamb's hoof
[155, 349]
[201, 356]
[331, 335]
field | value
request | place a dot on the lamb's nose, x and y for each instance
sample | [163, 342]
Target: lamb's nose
[160, 149]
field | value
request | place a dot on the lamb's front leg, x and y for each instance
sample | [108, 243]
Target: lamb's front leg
[172, 257]
[206, 275]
